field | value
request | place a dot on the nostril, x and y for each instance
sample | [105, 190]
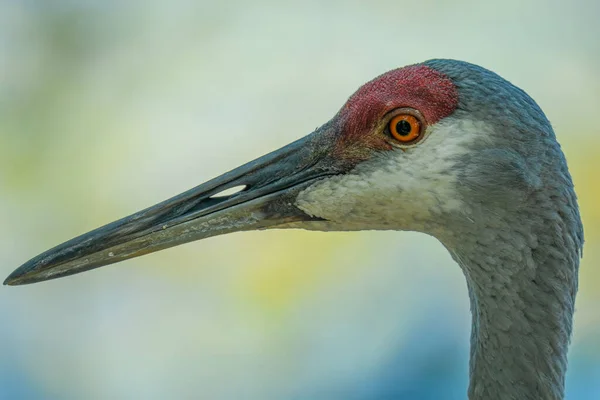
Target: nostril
[228, 192]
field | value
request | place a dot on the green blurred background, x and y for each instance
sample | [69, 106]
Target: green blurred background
[107, 107]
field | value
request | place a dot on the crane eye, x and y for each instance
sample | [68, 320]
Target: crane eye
[405, 128]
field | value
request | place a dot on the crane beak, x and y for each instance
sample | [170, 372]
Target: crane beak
[271, 183]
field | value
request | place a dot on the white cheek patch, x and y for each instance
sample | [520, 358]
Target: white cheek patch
[397, 189]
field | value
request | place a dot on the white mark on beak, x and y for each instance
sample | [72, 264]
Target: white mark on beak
[228, 192]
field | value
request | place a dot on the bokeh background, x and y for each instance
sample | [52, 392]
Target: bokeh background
[107, 107]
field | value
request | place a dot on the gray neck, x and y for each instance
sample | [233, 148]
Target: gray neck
[522, 287]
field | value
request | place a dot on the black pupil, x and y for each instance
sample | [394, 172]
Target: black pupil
[403, 127]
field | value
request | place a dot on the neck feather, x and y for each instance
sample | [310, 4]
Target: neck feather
[522, 288]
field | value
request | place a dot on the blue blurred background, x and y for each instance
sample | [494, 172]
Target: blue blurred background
[107, 107]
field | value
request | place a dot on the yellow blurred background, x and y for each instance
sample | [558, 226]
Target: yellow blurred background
[107, 107]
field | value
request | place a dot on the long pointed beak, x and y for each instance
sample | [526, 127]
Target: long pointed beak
[271, 182]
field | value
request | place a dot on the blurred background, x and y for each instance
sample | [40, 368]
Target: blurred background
[106, 108]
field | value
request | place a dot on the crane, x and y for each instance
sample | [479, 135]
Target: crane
[443, 147]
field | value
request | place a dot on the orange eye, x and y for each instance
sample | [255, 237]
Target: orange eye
[405, 128]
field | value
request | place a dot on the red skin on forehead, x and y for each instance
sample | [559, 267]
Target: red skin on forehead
[416, 86]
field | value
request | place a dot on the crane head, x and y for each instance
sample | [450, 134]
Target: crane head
[417, 148]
